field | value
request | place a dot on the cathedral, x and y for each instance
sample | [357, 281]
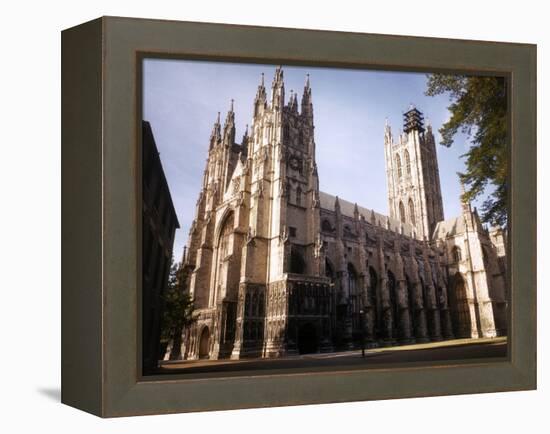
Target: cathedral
[277, 267]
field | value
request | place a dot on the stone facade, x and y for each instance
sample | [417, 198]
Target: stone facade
[277, 267]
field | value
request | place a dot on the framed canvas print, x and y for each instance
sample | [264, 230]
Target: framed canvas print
[262, 216]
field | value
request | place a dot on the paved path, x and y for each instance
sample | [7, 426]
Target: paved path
[458, 349]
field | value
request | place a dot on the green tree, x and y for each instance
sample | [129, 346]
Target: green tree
[478, 109]
[177, 313]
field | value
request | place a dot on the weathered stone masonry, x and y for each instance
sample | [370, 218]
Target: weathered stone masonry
[277, 267]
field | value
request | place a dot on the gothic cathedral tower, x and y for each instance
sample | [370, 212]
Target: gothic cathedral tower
[284, 209]
[256, 228]
[414, 191]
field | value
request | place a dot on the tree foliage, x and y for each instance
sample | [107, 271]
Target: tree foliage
[178, 306]
[478, 109]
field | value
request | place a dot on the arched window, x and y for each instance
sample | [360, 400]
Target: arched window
[352, 279]
[392, 292]
[354, 298]
[347, 231]
[297, 264]
[401, 212]
[398, 165]
[373, 283]
[225, 232]
[407, 162]
[299, 196]
[329, 271]
[485, 253]
[223, 250]
[411, 212]
[326, 226]
[411, 304]
[286, 133]
[373, 287]
[457, 254]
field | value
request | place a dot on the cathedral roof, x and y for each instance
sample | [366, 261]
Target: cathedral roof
[347, 209]
[449, 227]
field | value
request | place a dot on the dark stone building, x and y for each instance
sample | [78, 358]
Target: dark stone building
[159, 226]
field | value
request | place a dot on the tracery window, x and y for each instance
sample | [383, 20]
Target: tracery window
[326, 226]
[407, 162]
[352, 279]
[286, 134]
[299, 196]
[457, 254]
[223, 251]
[401, 212]
[398, 164]
[411, 212]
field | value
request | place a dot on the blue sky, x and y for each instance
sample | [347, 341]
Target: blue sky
[181, 100]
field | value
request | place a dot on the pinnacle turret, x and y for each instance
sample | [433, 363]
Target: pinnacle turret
[293, 102]
[278, 89]
[215, 136]
[307, 105]
[260, 100]
[244, 143]
[229, 127]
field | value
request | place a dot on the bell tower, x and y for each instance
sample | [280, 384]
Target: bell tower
[412, 172]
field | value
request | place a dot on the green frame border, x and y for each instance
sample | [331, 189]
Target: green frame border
[100, 197]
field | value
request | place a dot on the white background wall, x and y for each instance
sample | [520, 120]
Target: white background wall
[30, 214]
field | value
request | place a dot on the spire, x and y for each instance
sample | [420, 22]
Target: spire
[261, 97]
[387, 129]
[278, 89]
[337, 205]
[307, 106]
[244, 142]
[229, 127]
[216, 135]
[278, 78]
[230, 113]
[293, 102]
[355, 211]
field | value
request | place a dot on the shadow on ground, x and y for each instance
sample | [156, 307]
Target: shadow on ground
[52, 393]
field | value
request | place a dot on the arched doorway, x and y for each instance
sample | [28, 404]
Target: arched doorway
[308, 341]
[458, 299]
[204, 344]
